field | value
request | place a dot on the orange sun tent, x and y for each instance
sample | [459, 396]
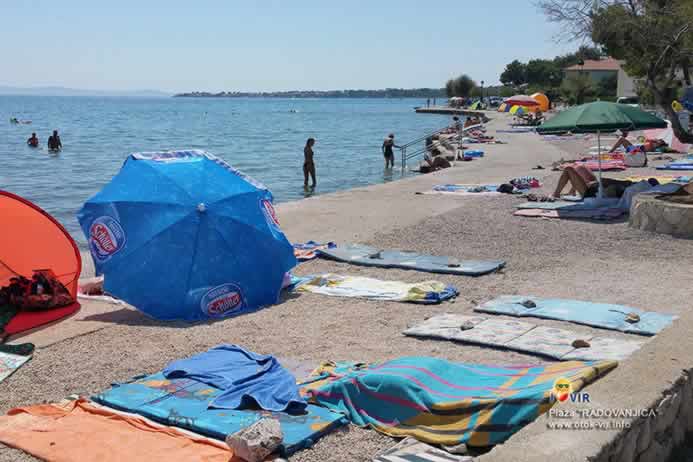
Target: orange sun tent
[33, 240]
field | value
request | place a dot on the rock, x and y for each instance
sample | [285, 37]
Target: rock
[645, 436]
[652, 453]
[257, 441]
[667, 411]
[627, 451]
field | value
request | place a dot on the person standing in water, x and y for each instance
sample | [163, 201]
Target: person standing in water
[308, 164]
[54, 143]
[33, 141]
[389, 155]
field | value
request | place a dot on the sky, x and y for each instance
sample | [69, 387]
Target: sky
[272, 45]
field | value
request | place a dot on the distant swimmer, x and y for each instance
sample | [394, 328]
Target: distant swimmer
[14, 120]
[33, 141]
[308, 164]
[389, 155]
[54, 143]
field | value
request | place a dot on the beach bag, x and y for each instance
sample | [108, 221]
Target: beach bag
[635, 159]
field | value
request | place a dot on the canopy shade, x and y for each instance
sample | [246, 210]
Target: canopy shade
[522, 100]
[601, 116]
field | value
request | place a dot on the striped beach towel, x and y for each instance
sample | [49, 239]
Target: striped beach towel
[439, 402]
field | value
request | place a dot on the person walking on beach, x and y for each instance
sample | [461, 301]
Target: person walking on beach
[54, 143]
[33, 141]
[389, 155]
[308, 164]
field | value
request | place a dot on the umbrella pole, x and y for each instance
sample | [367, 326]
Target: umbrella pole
[600, 194]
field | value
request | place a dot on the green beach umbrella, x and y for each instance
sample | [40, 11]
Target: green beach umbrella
[598, 117]
[601, 116]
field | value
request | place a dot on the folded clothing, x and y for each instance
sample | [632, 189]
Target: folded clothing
[79, 430]
[307, 251]
[243, 377]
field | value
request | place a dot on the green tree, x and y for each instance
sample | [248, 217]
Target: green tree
[543, 73]
[515, 73]
[653, 37]
[461, 86]
[576, 90]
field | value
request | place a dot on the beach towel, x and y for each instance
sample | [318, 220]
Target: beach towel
[440, 402]
[465, 189]
[426, 292]
[589, 203]
[676, 166]
[606, 165]
[10, 362]
[662, 179]
[370, 256]
[306, 251]
[185, 403]
[75, 431]
[243, 377]
[409, 449]
[607, 316]
[584, 214]
[523, 336]
[473, 153]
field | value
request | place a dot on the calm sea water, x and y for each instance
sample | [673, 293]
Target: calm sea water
[262, 137]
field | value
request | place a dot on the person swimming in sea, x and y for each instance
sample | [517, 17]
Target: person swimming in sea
[308, 163]
[14, 120]
[33, 141]
[54, 143]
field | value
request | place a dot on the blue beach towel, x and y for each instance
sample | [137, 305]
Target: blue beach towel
[241, 376]
[370, 256]
[185, 403]
[604, 315]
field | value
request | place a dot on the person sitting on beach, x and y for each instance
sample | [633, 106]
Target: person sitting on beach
[308, 164]
[33, 141]
[54, 143]
[583, 182]
[388, 153]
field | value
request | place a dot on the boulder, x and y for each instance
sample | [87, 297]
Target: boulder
[256, 442]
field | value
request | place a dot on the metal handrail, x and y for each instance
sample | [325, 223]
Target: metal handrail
[403, 148]
[418, 140]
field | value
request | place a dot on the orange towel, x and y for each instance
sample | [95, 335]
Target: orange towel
[79, 431]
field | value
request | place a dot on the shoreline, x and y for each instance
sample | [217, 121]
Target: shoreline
[607, 262]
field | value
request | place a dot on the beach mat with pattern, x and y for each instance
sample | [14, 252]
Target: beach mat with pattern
[184, 403]
[525, 337]
[440, 402]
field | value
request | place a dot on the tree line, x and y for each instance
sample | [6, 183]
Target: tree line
[654, 38]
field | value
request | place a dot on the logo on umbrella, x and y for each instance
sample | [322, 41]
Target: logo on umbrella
[269, 212]
[106, 238]
[222, 300]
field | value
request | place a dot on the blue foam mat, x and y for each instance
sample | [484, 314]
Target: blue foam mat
[184, 403]
[602, 315]
[370, 256]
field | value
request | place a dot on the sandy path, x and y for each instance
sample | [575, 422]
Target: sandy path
[590, 261]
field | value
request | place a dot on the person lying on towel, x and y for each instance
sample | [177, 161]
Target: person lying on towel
[647, 146]
[583, 182]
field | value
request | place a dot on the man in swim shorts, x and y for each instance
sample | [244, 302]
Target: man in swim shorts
[389, 155]
[54, 143]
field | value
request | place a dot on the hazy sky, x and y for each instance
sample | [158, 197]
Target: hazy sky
[180, 45]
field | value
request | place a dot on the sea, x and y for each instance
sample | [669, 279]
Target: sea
[263, 137]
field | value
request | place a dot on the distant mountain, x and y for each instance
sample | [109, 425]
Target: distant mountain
[386, 93]
[62, 91]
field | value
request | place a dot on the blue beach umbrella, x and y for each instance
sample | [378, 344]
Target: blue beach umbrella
[183, 235]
